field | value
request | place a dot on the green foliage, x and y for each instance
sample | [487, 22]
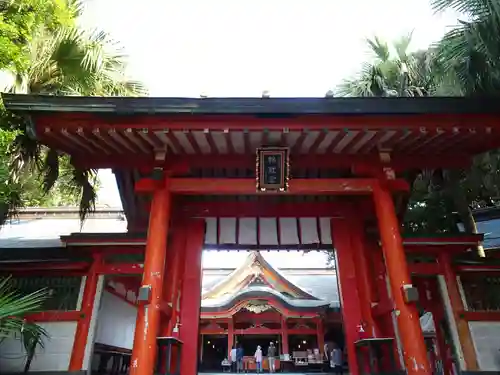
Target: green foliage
[19, 19]
[471, 51]
[32, 187]
[71, 61]
[53, 57]
[430, 210]
[10, 196]
[392, 72]
[13, 307]
[453, 67]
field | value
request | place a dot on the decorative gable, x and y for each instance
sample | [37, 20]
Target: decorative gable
[257, 281]
[255, 272]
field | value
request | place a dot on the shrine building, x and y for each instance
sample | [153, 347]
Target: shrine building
[258, 174]
[247, 303]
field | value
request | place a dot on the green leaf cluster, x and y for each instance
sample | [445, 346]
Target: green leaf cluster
[13, 307]
[54, 57]
[18, 20]
[466, 62]
[470, 52]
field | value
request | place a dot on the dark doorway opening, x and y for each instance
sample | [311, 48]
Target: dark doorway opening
[213, 351]
[249, 343]
[302, 343]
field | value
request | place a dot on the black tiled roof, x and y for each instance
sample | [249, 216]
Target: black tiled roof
[265, 107]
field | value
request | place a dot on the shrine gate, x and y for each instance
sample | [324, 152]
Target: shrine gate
[198, 173]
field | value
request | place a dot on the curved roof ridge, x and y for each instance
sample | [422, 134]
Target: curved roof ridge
[238, 270]
[218, 302]
[280, 274]
[243, 271]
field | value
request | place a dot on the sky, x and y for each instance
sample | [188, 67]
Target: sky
[185, 48]
[240, 48]
[243, 47]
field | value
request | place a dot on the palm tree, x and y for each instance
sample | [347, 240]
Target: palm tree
[393, 72]
[428, 73]
[68, 61]
[471, 50]
[470, 53]
[13, 307]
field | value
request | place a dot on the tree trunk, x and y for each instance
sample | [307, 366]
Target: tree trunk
[30, 351]
[462, 206]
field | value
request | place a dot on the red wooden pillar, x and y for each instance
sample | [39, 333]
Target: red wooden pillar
[381, 294]
[412, 339]
[230, 337]
[430, 301]
[148, 314]
[82, 328]
[457, 306]
[178, 249]
[167, 287]
[284, 336]
[361, 259]
[371, 249]
[320, 336]
[191, 300]
[346, 273]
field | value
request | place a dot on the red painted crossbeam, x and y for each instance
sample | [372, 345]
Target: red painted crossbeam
[478, 268]
[261, 209]
[45, 267]
[424, 268]
[478, 316]
[54, 316]
[121, 269]
[310, 122]
[360, 163]
[260, 331]
[247, 186]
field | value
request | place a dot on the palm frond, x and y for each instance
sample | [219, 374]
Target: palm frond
[379, 48]
[383, 76]
[82, 183]
[10, 204]
[50, 170]
[401, 46]
[65, 61]
[76, 7]
[475, 9]
[471, 50]
[24, 152]
[13, 307]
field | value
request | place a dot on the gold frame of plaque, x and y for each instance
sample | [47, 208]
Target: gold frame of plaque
[274, 180]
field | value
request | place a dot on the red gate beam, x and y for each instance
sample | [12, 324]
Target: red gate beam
[246, 186]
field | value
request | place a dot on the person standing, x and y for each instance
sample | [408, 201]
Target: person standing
[233, 358]
[326, 351]
[271, 357]
[336, 360]
[239, 359]
[258, 359]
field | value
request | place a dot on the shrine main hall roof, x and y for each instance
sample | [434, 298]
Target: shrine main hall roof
[256, 277]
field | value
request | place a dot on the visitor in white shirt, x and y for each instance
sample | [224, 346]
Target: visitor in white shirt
[233, 358]
[336, 360]
[258, 358]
